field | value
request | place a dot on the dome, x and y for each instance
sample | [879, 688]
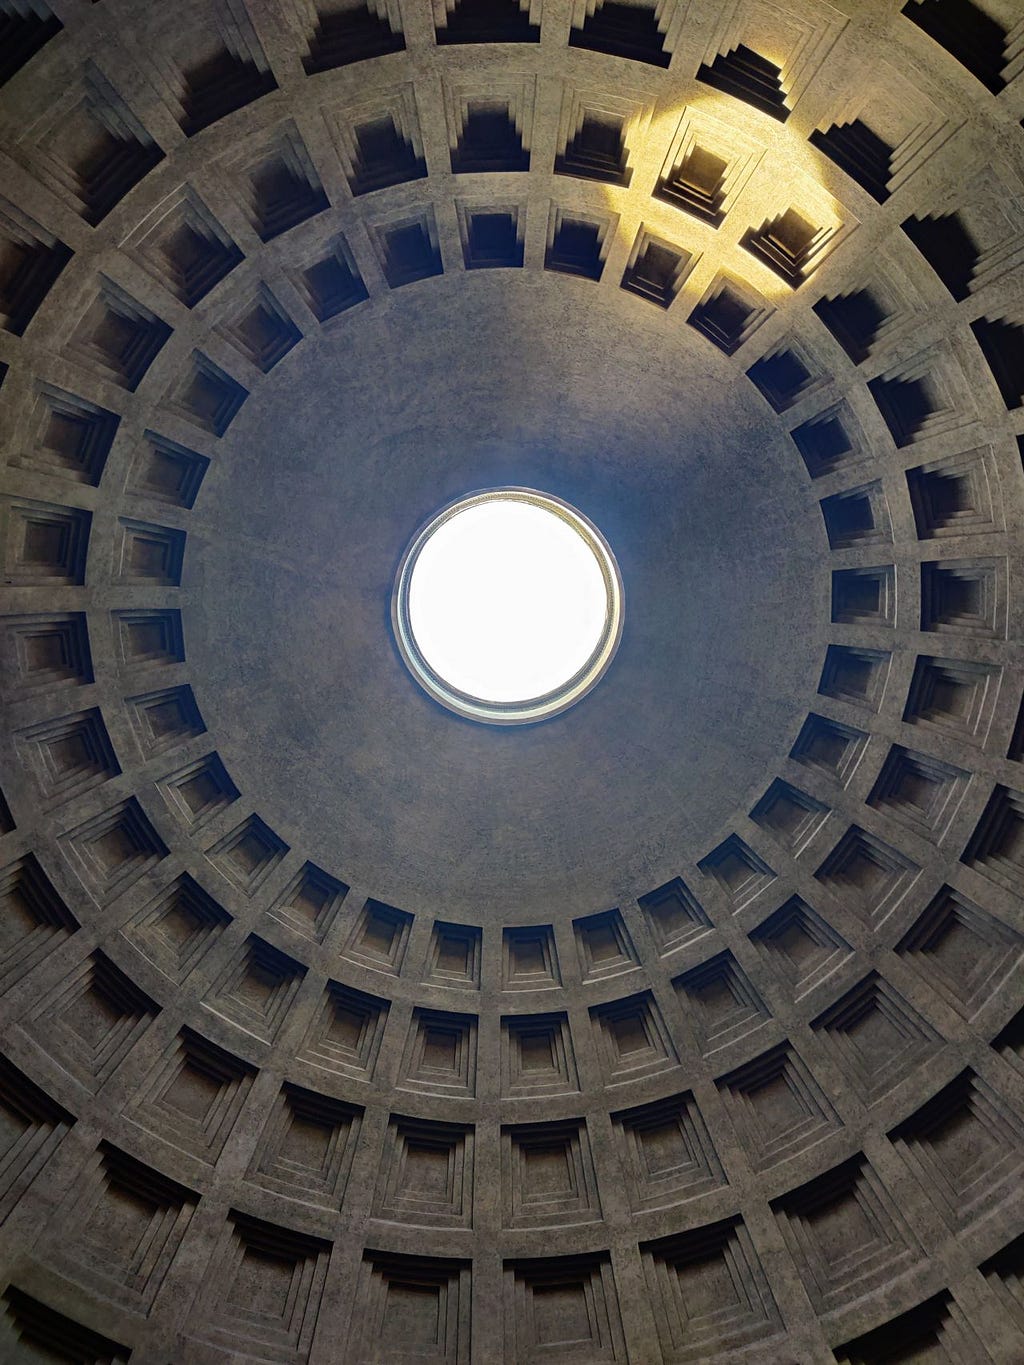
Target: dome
[684, 1023]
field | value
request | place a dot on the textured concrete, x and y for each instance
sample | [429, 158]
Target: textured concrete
[685, 1026]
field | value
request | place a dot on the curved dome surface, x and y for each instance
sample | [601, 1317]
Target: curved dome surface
[683, 1026]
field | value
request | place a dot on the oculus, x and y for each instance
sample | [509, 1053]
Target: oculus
[508, 606]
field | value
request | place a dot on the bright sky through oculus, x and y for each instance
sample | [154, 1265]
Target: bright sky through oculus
[507, 601]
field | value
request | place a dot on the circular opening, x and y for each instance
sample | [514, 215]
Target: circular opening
[508, 606]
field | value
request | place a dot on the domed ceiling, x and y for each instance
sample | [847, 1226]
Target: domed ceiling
[683, 1026]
